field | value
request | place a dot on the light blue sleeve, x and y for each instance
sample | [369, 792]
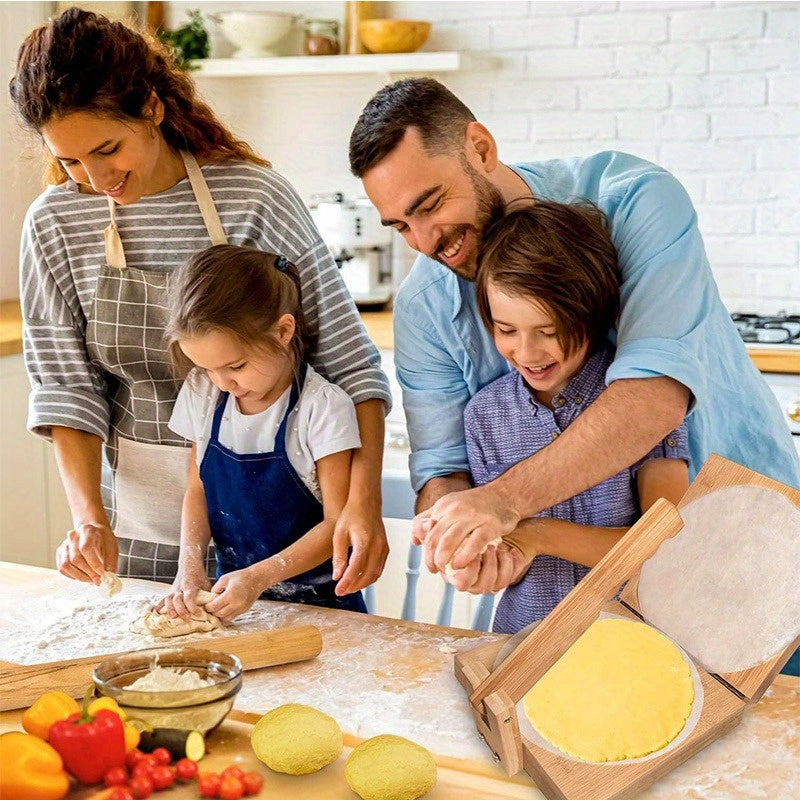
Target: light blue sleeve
[667, 292]
[434, 394]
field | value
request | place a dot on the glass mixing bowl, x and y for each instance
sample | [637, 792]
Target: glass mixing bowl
[188, 709]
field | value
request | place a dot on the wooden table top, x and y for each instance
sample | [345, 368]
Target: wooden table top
[379, 675]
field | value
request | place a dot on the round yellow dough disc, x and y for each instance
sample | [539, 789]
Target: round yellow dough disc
[296, 739]
[623, 690]
[390, 768]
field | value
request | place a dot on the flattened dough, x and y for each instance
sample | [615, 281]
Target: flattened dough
[623, 690]
[726, 587]
[156, 623]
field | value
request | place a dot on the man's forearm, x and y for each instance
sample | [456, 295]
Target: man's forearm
[439, 487]
[625, 422]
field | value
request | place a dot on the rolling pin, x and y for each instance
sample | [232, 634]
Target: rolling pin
[21, 685]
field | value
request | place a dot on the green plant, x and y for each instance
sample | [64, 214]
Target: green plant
[189, 42]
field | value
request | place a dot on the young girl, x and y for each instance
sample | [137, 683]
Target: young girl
[273, 440]
[548, 291]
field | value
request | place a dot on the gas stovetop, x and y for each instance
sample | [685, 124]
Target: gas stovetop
[778, 330]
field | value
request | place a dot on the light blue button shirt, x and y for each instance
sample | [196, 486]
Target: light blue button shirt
[672, 323]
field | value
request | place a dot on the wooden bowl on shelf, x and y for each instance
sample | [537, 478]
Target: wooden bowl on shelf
[393, 35]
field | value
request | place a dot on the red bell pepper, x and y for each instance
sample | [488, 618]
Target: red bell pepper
[89, 744]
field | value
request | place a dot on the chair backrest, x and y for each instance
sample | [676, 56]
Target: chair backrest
[481, 616]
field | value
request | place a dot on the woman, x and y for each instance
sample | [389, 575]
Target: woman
[143, 174]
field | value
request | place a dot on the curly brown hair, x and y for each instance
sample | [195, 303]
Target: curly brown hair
[562, 256]
[81, 61]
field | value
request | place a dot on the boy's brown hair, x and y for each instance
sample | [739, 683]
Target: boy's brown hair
[562, 256]
[240, 290]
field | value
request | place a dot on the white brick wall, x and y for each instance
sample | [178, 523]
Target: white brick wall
[710, 90]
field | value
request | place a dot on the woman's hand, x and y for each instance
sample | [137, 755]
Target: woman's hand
[498, 568]
[87, 551]
[359, 526]
[237, 592]
[182, 600]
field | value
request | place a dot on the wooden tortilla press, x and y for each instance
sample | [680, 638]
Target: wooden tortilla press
[495, 692]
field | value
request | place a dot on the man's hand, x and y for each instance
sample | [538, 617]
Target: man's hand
[361, 528]
[87, 551]
[462, 524]
[498, 568]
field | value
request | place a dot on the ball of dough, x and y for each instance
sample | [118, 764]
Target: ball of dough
[390, 768]
[296, 739]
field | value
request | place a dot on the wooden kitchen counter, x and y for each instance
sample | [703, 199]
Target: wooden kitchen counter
[374, 675]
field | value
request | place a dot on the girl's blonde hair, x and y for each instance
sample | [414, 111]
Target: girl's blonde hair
[240, 290]
[81, 61]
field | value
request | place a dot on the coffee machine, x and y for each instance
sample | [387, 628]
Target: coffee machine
[361, 246]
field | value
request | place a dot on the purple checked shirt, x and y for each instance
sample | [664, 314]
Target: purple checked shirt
[505, 424]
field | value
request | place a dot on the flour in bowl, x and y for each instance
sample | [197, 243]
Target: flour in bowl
[169, 679]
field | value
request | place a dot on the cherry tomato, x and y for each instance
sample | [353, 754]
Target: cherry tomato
[141, 786]
[233, 771]
[208, 783]
[133, 757]
[162, 777]
[252, 781]
[142, 769]
[120, 793]
[231, 788]
[186, 769]
[162, 755]
[115, 776]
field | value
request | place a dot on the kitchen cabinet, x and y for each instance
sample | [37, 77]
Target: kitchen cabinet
[34, 515]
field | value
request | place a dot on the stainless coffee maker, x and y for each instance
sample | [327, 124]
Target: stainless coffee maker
[361, 246]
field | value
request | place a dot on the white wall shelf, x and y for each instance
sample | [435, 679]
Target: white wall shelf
[342, 65]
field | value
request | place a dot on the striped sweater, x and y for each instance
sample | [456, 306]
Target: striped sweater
[62, 252]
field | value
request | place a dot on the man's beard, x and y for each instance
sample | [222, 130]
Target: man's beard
[489, 207]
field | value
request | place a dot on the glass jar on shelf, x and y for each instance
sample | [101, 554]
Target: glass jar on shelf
[322, 37]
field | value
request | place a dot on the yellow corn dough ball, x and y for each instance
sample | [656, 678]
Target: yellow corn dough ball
[296, 739]
[390, 768]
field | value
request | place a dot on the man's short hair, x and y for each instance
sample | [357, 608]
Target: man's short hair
[423, 103]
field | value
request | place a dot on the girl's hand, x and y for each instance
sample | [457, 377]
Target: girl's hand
[237, 592]
[87, 551]
[182, 600]
[362, 529]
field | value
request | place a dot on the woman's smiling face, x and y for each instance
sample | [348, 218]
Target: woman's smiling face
[121, 159]
[525, 335]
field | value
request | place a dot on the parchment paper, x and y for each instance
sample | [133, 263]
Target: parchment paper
[726, 587]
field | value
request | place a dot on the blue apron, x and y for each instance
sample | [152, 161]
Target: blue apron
[258, 506]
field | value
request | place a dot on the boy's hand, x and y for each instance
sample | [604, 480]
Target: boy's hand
[237, 592]
[498, 568]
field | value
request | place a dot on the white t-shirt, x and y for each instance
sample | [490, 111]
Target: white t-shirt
[323, 422]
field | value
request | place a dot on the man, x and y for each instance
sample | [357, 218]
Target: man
[433, 173]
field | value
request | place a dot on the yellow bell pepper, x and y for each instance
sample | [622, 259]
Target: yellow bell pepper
[49, 708]
[132, 735]
[32, 770]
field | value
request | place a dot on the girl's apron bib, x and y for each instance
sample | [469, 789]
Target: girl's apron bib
[258, 505]
[143, 492]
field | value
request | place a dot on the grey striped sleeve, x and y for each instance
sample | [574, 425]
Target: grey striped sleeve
[66, 389]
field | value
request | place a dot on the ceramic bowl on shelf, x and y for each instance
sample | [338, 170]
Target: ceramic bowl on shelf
[393, 35]
[186, 709]
[254, 33]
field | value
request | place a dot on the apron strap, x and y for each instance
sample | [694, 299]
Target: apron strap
[217, 419]
[203, 195]
[115, 254]
[294, 396]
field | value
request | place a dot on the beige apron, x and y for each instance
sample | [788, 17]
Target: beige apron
[125, 338]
